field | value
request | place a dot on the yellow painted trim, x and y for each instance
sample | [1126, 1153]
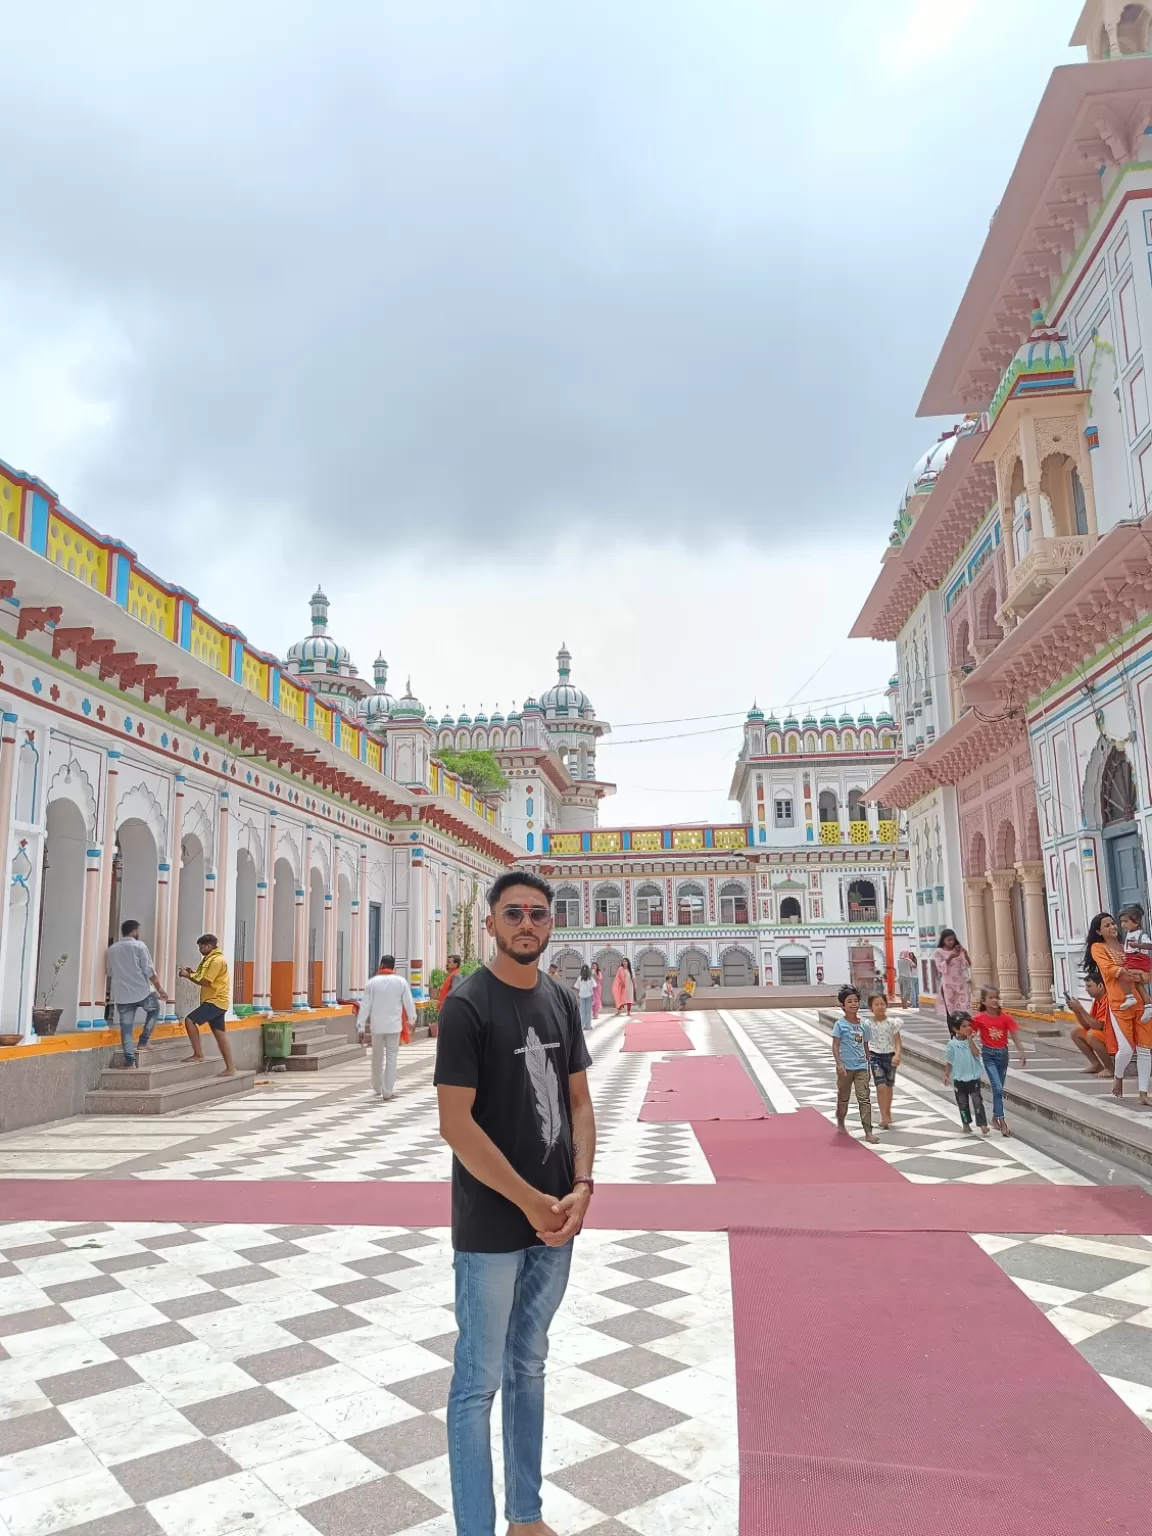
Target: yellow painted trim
[96, 1039]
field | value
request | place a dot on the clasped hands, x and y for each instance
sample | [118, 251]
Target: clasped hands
[557, 1222]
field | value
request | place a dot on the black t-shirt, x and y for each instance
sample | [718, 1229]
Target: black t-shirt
[517, 1049]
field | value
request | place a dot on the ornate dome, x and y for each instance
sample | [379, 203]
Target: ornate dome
[755, 713]
[497, 717]
[928, 468]
[319, 652]
[513, 713]
[446, 717]
[884, 718]
[409, 707]
[790, 719]
[463, 718]
[827, 718]
[564, 698]
[894, 682]
[846, 719]
[809, 719]
[531, 703]
[481, 717]
[865, 718]
[772, 720]
[379, 705]
[1041, 366]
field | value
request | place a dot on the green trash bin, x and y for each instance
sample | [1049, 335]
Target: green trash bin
[278, 1038]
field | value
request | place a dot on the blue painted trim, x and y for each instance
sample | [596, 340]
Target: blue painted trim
[237, 662]
[115, 754]
[123, 577]
[186, 626]
[546, 842]
[709, 840]
[38, 538]
[309, 711]
[10, 717]
[627, 842]
[274, 687]
[667, 840]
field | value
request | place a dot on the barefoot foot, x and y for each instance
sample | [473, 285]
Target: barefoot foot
[875, 1140]
[227, 1074]
[193, 1057]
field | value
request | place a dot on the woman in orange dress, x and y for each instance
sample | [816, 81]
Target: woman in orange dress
[1104, 961]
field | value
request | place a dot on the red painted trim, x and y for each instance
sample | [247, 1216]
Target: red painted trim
[1136, 194]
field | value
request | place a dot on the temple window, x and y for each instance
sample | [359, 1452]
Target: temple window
[567, 907]
[689, 905]
[733, 903]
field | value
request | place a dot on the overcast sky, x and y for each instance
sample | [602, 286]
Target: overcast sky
[512, 323]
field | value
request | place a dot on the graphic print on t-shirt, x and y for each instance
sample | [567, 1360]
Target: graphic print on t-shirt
[545, 1088]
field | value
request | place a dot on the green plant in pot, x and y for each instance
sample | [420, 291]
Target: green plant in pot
[45, 1018]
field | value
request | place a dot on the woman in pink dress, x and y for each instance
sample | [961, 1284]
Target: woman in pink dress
[597, 989]
[954, 992]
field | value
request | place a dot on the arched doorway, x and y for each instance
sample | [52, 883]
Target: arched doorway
[1127, 879]
[62, 910]
[283, 933]
[862, 906]
[569, 961]
[189, 920]
[244, 945]
[650, 967]
[609, 961]
[693, 962]
[315, 939]
[790, 911]
[737, 968]
[134, 872]
[343, 937]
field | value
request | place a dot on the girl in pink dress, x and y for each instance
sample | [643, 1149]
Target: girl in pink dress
[597, 989]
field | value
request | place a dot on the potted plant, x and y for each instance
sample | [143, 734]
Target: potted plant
[46, 1018]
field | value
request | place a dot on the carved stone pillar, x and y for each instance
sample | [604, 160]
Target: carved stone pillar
[977, 930]
[102, 908]
[1002, 882]
[1036, 924]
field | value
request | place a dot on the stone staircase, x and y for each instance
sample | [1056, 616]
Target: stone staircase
[313, 1049]
[165, 1082]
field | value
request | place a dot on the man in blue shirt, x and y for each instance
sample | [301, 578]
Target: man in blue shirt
[850, 1037]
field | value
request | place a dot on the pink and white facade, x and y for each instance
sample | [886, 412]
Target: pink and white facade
[1019, 584]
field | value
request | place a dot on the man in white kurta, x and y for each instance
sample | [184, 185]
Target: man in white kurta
[386, 1003]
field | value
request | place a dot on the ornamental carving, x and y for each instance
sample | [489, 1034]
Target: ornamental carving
[1058, 434]
[971, 792]
[997, 776]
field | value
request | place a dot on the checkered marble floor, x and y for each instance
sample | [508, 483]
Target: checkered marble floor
[198, 1380]
[926, 1142]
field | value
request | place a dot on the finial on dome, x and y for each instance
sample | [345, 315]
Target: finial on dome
[319, 611]
[563, 661]
[380, 671]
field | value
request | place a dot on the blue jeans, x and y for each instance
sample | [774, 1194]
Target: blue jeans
[586, 1012]
[996, 1066]
[126, 1013]
[505, 1303]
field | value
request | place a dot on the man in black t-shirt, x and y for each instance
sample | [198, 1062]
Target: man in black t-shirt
[512, 1085]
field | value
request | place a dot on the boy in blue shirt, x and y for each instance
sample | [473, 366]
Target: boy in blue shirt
[850, 1050]
[964, 1071]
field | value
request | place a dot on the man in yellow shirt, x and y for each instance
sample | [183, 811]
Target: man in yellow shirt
[211, 976]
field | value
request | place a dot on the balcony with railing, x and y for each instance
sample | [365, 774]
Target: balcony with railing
[1044, 562]
[859, 833]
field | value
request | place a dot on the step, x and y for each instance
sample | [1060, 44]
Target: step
[159, 1051]
[162, 1101]
[303, 1032]
[159, 1074]
[310, 1047]
[327, 1055]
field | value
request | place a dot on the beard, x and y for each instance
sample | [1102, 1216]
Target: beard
[523, 949]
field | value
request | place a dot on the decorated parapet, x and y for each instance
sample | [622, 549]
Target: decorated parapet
[31, 514]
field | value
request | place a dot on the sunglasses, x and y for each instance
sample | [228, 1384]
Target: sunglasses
[539, 917]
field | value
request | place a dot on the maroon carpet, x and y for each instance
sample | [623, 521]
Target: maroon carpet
[706, 1088]
[1025, 1208]
[803, 1148]
[904, 1385]
[661, 1034]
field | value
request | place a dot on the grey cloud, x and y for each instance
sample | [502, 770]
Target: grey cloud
[402, 271]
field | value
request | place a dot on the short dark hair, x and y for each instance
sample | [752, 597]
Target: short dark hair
[208, 938]
[518, 877]
[846, 992]
[1134, 911]
[129, 925]
[388, 961]
[872, 996]
[961, 1016]
[457, 958]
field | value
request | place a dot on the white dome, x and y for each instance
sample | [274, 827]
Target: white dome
[564, 698]
[928, 468]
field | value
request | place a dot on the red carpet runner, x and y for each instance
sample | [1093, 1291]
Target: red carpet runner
[707, 1088]
[904, 1385]
[661, 1034]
